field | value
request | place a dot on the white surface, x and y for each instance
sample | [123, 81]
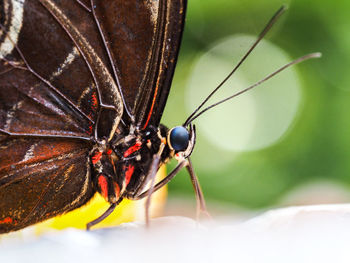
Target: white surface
[296, 234]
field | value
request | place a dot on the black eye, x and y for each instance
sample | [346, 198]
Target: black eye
[179, 138]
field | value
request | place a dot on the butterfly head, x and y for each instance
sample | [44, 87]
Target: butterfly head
[182, 140]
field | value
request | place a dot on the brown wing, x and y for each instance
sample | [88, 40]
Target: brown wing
[40, 179]
[54, 77]
[54, 71]
[144, 37]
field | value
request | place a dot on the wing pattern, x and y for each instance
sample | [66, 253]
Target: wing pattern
[40, 179]
[69, 70]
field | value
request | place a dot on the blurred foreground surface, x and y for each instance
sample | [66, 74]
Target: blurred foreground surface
[296, 234]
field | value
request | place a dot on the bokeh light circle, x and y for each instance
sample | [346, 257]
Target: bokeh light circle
[256, 119]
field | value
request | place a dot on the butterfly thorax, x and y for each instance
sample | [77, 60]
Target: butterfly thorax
[121, 168]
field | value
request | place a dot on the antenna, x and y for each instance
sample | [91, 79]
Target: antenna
[267, 28]
[301, 59]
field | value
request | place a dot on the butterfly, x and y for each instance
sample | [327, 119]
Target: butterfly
[83, 85]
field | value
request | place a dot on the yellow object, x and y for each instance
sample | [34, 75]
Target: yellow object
[126, 211]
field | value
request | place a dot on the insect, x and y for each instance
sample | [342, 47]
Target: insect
[83, 85]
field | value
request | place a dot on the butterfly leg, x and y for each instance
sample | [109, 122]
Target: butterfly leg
[152, 176]
[104, 215]
[162, 183]
[152, 173]
[201, 206]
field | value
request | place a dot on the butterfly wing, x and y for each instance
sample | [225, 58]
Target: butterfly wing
[63, 75]
[53, 79]
[40, 179]
[144, 37]
[58, 66]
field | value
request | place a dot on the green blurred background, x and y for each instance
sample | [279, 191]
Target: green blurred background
[254, 151]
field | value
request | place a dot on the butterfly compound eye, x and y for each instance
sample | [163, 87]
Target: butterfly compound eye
[179, 138]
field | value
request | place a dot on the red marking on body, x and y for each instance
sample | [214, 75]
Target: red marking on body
[117, 190]
[94, 100]
[109, 152]
[153, 103]
[128, 173]
[102, 182]
[133, 149]
[96, 157]
[6, 220]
